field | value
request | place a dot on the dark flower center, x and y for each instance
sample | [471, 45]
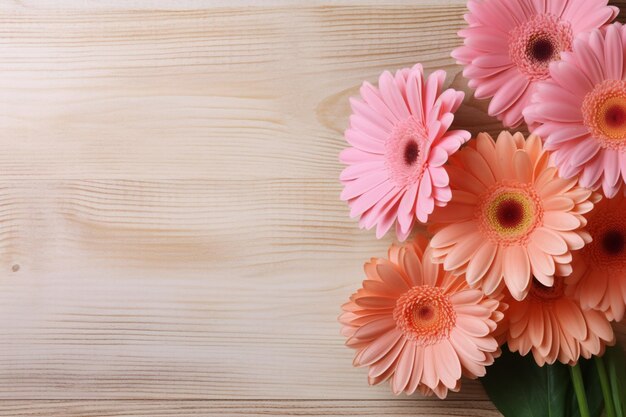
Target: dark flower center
[541, 50]
[510, 213]
[425, 313]
[411, 152]
[544, 293]
[615, 116]
[613, 242]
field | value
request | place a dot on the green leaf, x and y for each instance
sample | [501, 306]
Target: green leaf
[518, 387]
[616, 367]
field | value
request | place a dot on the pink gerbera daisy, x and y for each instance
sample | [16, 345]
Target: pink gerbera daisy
[554, 327]
[599, 275]
[581, 111]
[400, 141]
[510, 43]
[510, 216]
[419, 326]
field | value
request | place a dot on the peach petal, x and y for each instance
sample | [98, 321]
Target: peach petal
[413, 267]
[516, 271]
[523, 166]
[558, 203]
[560, 221]
[540, 261]
[448, 363]
[549, 241]
[465, 297]
[473, 327]
[388, 361]
[418, 368]
[392, 276]
[460, 254]
[451, 234]
[379, 347]
[536, 327]
[571, 319]
[402, 375]
[374, 328]
[480, 262]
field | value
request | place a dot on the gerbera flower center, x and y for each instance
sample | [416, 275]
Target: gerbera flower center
[411, 152]
[537, 42]
[404, 151]
[509, 213]
[604, 113]
[608, 248]
[542, 293]
[424, 314]
[541, 49]
[613, 242]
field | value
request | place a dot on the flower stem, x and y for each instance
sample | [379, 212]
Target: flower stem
[616, 390]
[579, 388]
[606, 387]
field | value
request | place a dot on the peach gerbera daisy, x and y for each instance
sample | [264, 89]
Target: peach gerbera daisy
[509, 45]
[599, 275]
[581, 111]
[419, 326]
[400, 141]
[554, 327]
[510, 216]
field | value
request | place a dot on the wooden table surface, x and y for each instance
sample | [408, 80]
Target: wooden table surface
[172, 241]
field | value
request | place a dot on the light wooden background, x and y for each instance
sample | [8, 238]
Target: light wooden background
[172, 241]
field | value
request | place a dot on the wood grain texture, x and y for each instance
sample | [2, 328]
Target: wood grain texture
[171, 236]
[325, 408]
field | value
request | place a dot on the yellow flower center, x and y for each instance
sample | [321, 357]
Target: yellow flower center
[611, 117]
[604, 113]
[508, 214]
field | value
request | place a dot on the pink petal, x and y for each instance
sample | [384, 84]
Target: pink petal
[363, 184]
[508, 94]
[570, 77]
[369, 199]
[371, 95]
[405, 211]
[358, 170]
[355, 156]
[365, 137]
[611, 173]
[414, 91]
[392, 96]
[368, 112]
[433, 88]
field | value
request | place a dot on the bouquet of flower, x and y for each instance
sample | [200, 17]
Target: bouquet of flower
[521, 267]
